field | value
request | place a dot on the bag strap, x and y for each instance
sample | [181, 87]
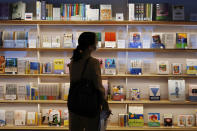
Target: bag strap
[84, 68]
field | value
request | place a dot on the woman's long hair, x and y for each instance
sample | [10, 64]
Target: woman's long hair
[85, 40]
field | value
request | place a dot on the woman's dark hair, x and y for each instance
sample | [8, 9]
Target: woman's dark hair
[85, 40]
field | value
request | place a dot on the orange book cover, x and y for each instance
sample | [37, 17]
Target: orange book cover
[107, 36]
[70, 10]
[77, 9]
[113, 36]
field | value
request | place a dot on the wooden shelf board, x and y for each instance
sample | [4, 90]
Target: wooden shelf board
[34, 75]
[61, 22]
[110, 128]
[35, 101]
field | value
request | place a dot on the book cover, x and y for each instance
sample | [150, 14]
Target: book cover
[43, 10]
[32, 118]
[135, 94]
[105, 12]
[2, 64]
[178, 12]
[181, 121]
[20, 117]
[34, 68]
[99, 39]
[56, 41]
[47, 67]
[91, 13]
[191, 66]
[181, 40]
[21, 39]
[2, 91]
[8, 39]
[58, 66]
[176, 89]
[32, 40]
[2, 118]
[110, 39]
[18, 10]
[136, 116]
[154, 94]
[11, 91]
[54, 117]
[56, 14]
[153, 119]
[162, 11]
[189, 120]
[168, 120]
[65, 90]
[123, 120]
[192, 92]
[21, 66]
[110, 66]
[131, 11]
[156, 42]
[162, 67]
[169, 40]
[106, 87]
[46, 41]
[9, 118]
[38, 10]
[176, 69]
[21, 91]
[135, 40]
[11, 65]
[65, 117]
[5, 11]
[68, 40]
[118, 93]
[136, 67]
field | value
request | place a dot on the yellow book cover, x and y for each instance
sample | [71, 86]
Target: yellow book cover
[58, 65]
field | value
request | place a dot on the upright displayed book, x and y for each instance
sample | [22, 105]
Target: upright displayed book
[38, 10]
[58, 66]
[2, 91]
[2, 64]
[46, 41]
[136, 117]
[5, 11]
[56, 14]
[56, 39]
[47, 68]
[156, 42]
[135, 40]
[136, 67]
[11, 91]
[154, 119]
[21, 39]
[162, 67]
[110, 39]
[191, 66]
[154, 94]
[67, 40]
[11, 65]
[18, 10]
[118, 93]
[176, 89]
[21, 66]
[99, 39]
[65, 117]
[135, 94]
[105, 12]
[34, 67]
[20, 117]
[110, 66]
[92, 13]
[181, 40]
[65, 90]
[2, 118]
[32, 118]
[178, 13]
[54, 117]
[45, 116]
[123, 120]
[176, 68]
[162, 12]
[43, 10]
[8, 39]
[9, 118]
[168, 119]
[192, 92]
[21, 91]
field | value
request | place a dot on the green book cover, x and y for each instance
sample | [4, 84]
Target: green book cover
[153, 119]
[181, 40]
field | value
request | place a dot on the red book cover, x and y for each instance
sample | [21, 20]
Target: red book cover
[107, 36]
[113, 36]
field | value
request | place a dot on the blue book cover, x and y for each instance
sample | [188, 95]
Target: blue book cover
[110, 63]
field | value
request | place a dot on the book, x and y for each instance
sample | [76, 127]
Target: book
[162, 67]
[21, 91]
[11, 91]
[5, 11]
[136, 116]
[48, 91]
[169, 40]
[21, 66]
[67, 63]
[121, 44]
[192, 92]
[18, 10]
[181, 40]
[135, 40]
[118, 93]
[162, 12]
[67, 40]
[9, 118]
[136, 67]
[123, 120]
[154, 92]
[45, 116]
[131, 11]
[8, 39]
[56, 14]
[2, 91]
[65, 90]
[178, 12]
[168, 120]
[135, 94]
[34, 67]
[105, 12]
[156, 42]
[99, 39]
[110, 39]
[153, 119]
[21, 39]
[91, 13]
[191, 66]
[121, 66]
[119, 17]
[20, 117]
[189, 120]
[32, 118]
[43, 10]
[34, 91]
[38, 10]
[54, 117]
[11, 65]
[176, 89]
[46, 41]
[47, 68]
[2, 118]
[105, 84]
[65, 117]
[110, 66]
[181, 121]
[2, 64]
[56, 41]
[32, 40]
[58, 66]
[176, 68]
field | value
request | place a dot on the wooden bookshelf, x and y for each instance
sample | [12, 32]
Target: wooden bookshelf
[61, 22]
[109, 128]
[161, 102]
[34, 75]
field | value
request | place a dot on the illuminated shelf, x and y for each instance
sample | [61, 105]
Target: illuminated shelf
[100, 49]
[110, 128]
[161, 102]
[61, 22]
[34, 75]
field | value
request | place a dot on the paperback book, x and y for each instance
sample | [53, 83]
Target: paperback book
[192, 92]
[58, 66]
[191, 66]
[153, 119]
[162, 12]
[156, 42]
[110, 39]
[46, 41]
[176, 69]
[181, 40]
[11, 65]
[11, 91]
[34, 68]
[135, 94]
[9, 118]
[105, 12]
[2, 91]
[20, 117]
[136, 117]
[47, 68]
[65, 90]
[32, 118]
[2, 118]
[110, 66]
[154, 92]
[135, 40]
[56, 41]
[123, 120]
[54, 117]
[136, 67]
[118, 93]
[168, 120]
[162, 67]
[68, 40]
[178, 13]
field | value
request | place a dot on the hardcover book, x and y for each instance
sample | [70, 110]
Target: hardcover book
[2, 118]
[135, 94]
[192, 92]
[43, 10]
[162, 11]
[58, 66]
[105, 12]
[135, 40]
[110, 39]
[162, 67]
[153, 119]
[154, 92]
[176, 69]
[118, 93]
[181, 40]
[11, 65]
[176, 89]
[34, 68]
[110, 66]
[191, 66]
[136, 117]
[168, 120]
[20, 117]
[2, 64]
[68, 40]
[178, 12]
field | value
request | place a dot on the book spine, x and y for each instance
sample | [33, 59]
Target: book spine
[38, 10]
[144, 18]
[43, 10]
[70, 11]
[77, 9]
[61, 11]
[65, 11]
[47, 11]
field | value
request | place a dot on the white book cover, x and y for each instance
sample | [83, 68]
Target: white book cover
[21, 91]
[105, 12]
[131, 12]
[9, 118]
[65, 90]
[2, 118]
[68, 40]
[162, 67]
[2, 91]
[176, 90]
[92, 14]
[21, 66]
[176, 68]
[189, 120]
[169, 40]
[121, 44]
[32, 39]
[56, 41]
[20, 117]
[56, 14]
[38, 10]
[31, 118]
[193, 41]
[46, 41]
[181, 120]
